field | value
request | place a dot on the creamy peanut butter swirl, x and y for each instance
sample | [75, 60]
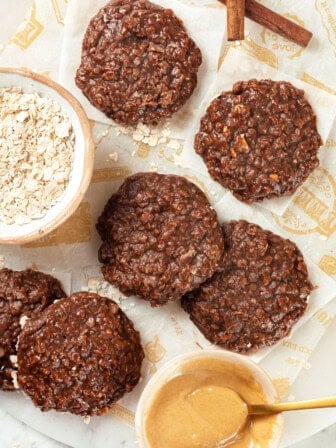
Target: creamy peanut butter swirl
[205, 406]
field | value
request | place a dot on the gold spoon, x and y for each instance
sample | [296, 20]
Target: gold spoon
[267, 408]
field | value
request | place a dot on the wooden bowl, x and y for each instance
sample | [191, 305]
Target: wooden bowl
[82, 163]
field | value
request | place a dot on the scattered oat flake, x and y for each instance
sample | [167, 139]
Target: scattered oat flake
[174, 144]
[153, 167]
[151, 136]
[138, 137]
[36, 155]
[113, 156]
[153, 140]
[104, 289]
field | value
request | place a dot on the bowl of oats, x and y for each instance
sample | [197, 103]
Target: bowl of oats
[46, 155]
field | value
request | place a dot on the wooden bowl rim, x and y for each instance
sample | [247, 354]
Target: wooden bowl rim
[88, 153]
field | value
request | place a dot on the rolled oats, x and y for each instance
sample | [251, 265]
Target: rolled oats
[150, 135]
[36, 155]
[114, 156]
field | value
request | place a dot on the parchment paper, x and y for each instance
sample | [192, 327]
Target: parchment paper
[167, 331]
[71, 251]
[237, 66]
[196, 20]
[228, 209]
[43, 23]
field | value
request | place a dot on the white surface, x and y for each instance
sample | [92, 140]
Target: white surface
[321, 375]
[71, 429]
[14, 434]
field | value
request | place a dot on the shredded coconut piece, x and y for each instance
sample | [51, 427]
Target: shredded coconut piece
[36, 155]
[13, 360]
[14, 379]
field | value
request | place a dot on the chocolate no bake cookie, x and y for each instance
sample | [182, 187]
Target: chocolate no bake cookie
[161, 237]
[256, 297]
[80, 356]
[138, 62]
[260, 139]
[22, 294]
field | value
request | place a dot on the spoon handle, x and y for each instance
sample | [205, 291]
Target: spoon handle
[291, 406]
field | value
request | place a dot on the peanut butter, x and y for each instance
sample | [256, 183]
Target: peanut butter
[205, 406]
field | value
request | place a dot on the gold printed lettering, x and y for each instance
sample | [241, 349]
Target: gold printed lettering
[310, 203]
[178, 329]
[77, 229]
[328, 20]
[316, 83]
[324, 318]
[328, 264]
[154, 351]
[57, 11]
[313, 208]
[29, 31]
[281, 385]
[298, 362]
[297, 347]
[281, 44]
[110, 174]
[261, 53]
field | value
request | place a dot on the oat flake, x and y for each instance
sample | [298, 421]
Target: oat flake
[104, 289]
[150, 135]
[36, 155]
[114, 157]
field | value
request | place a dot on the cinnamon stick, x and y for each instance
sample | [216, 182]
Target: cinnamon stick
[235, 19]
[275, 22]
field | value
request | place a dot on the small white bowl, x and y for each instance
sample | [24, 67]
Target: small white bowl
[82, 163]
[172, 368]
